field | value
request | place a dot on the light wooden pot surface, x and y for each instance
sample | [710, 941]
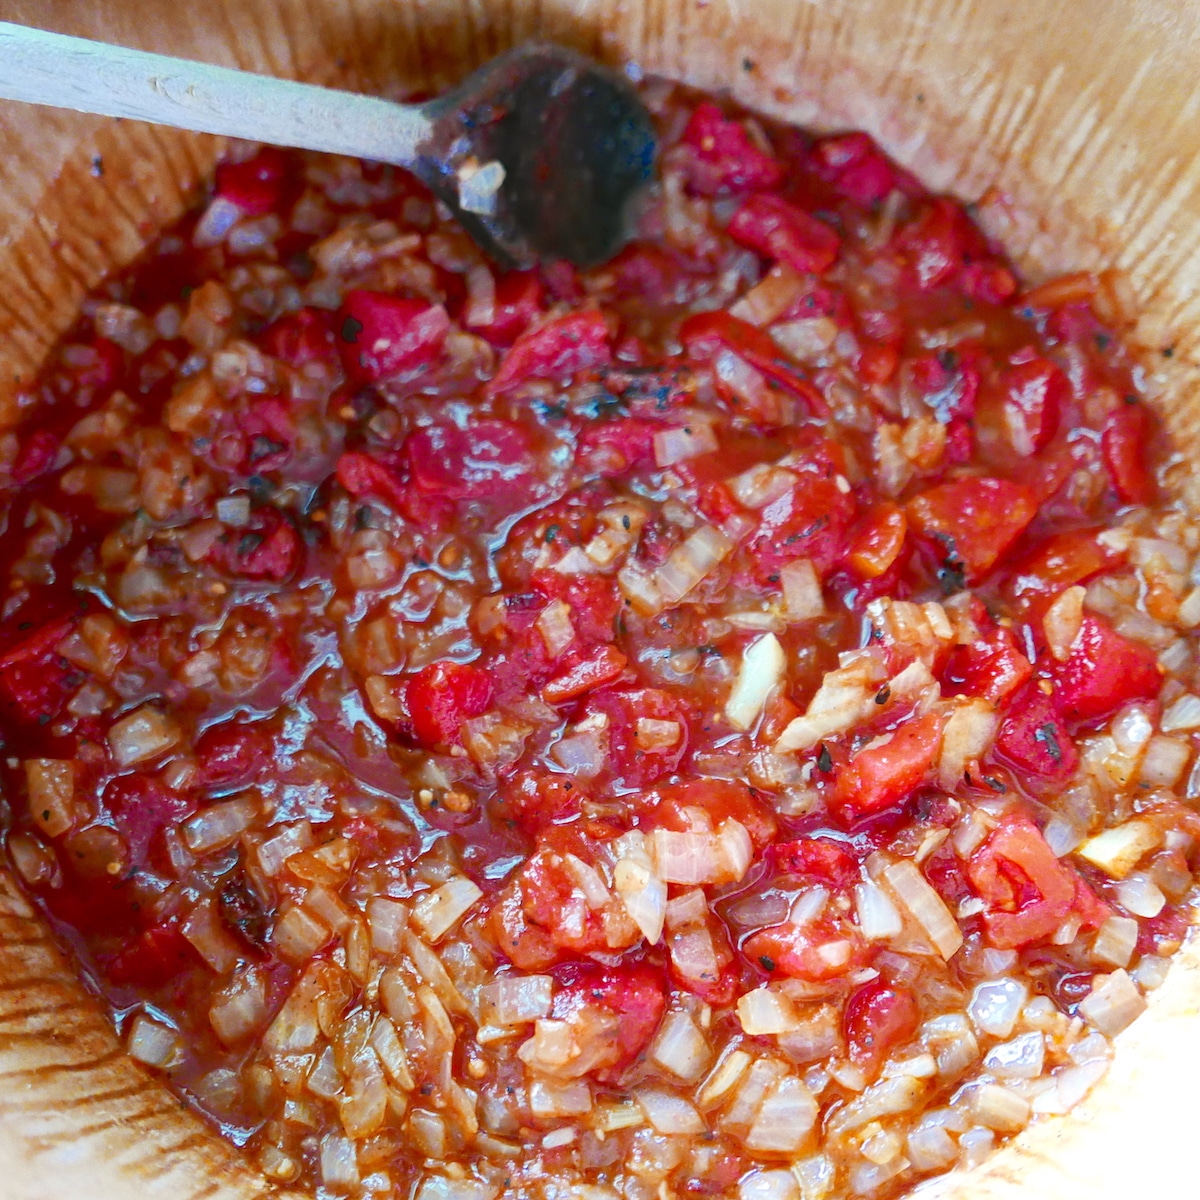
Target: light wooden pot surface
[1083, 113]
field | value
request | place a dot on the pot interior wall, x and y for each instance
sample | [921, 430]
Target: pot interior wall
[1081, 114]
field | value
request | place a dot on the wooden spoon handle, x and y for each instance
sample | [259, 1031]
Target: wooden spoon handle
[69, 72]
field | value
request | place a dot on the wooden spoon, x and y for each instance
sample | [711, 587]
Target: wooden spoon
[540, 152]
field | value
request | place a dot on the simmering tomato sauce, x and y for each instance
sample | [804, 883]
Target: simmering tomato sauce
[718, 724]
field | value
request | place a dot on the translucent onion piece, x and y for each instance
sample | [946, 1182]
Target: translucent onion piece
[153, 1043]
[761, 671]
[1113, 1003]
[143, 735]
[925, 906]
[436, 913]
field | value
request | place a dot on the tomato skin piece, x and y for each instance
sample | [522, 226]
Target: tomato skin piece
[382, 336]
[1123, 447]
[1035, 392]
[1033, 739]
[442, 696]
[1104, 671]
[1029, 892]
[817, 858]
[882, 776]
[878, 1018]
[779, 230]
[141, 808]
[561, 348]
[36, 456]
[725, 157]
[34, 677]
[937, 243]
[971, 523]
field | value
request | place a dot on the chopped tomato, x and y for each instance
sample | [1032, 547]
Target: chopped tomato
[559, 349]
[302, 337]
[938, 243]
[819, 858]
[1033, 739]
[34, 677]
[257, 185]
[885, 772]
[232, 754]
[1060, 562]
[991, 666]
[602, 666]
[614, 448]
[485, 459]
[879, 1018]
[517, 305]
[1104, 671]
[444, 695]
[155, 957]
[779, 230]
[382, 336]
[1035, 391]
[855, 168]
[267, 548]
[368, 477]
[1028, 891]
[817, 950]
[725, 157]
[142, 807]
[640, 766]
[633, 994]
[971, 523]
[878, 540]
[1123, 445]
[722, 799]
[37, 455]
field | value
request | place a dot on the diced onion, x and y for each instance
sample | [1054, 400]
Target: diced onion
[388, 920]
[215, 222]
[1140, 895]
[995, 1005]
[669, 1112]
[652, 734]
[785, 1118]
[1063, 620]
[766, 1012]
[339, 1162]
[805, 340]
[519, 999]
[925, 906]
[1164, 761]
[298, 935]
[685, 567]
[640, 888]
[1021, 1058]
[554, 624]
[677, 443]
[439, 1187]
[436, 913]
[761, 671]
[1115, 941]
[276, 850]
[841, 702]
[884, 1099]
[153, 1043]
[1118, 850]
[1184, 714]
[999, 1108]
[771, 297]
[965, 738]
[680, 1048]
[769, 1185]
[877, 915]
[930, 1147]
[685, 857]
[144, 734]
[219, 825]
[1113, 1003]
[240, 1007]
[803, 599]
[52, 800]
[550, 1098]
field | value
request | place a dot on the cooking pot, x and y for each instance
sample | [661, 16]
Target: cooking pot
[1079, 117]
